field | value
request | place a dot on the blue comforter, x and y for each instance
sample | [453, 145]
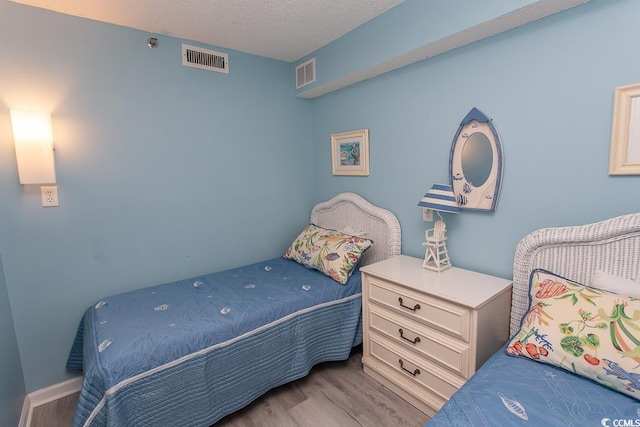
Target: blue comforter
[189, 352]
[510, 391]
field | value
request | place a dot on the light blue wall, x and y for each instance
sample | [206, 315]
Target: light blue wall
[12, 389]
[167, 172]
[548, 86]
[164, 172]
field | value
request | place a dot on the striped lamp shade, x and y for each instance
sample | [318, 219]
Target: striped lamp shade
[440, 197]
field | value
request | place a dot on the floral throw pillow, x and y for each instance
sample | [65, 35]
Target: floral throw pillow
[331, 252]
[587, 331]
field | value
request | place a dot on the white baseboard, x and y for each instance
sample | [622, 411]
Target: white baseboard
[46, 395]
[25, 416]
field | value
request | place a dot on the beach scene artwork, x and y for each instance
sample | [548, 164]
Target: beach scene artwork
[350, 154]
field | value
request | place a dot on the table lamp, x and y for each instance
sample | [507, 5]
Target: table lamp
[439, 198]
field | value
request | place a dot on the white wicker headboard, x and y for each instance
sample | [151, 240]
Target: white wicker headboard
[576, 252]
[352, 210]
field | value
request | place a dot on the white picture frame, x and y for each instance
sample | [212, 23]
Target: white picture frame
[624, 155]
[350, 152]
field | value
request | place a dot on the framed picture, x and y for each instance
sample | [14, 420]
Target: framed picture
[350, 152]
[624, 156]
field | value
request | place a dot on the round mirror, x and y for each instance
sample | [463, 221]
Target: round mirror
[477, 159]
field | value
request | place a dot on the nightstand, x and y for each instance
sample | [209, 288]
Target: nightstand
[425, 333]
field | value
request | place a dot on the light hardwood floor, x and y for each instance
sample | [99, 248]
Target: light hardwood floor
[334, 394]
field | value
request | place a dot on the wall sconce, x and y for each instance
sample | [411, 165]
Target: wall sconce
[33, 139]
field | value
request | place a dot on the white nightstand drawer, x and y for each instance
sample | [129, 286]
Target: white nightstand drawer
[413, 369]
[425, 342]
[449, 318]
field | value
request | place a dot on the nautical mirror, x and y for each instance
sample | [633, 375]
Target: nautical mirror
[475, 163]
[477, 158]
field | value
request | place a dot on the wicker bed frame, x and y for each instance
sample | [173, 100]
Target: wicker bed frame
[353, 211]
[576, 252]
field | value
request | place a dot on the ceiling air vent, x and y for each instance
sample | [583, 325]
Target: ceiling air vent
[306, 73]
[205, 59]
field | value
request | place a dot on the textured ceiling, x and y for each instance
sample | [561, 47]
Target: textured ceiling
[280, 29]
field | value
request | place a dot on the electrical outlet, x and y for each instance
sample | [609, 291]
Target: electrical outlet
[49, 196]
[427, 214]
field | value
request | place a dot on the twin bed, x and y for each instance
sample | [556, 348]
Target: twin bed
[572, 359]
[190, 352]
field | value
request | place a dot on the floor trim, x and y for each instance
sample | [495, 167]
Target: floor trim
[46, 395]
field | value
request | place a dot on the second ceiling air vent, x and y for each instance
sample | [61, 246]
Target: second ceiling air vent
[205, 59]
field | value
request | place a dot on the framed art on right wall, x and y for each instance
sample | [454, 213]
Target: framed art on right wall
[624, 155]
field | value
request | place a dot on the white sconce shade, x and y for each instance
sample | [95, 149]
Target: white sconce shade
[33, 139]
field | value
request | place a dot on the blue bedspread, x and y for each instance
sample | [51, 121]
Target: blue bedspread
[190, 352]
[510, 391]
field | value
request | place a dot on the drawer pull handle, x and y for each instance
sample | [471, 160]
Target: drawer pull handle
[414, 308]
[413, 341]
[415, 371]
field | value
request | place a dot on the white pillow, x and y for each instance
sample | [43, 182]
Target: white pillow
[619, 285]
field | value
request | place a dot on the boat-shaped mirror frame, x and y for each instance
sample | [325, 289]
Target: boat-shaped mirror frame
[482, 196]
